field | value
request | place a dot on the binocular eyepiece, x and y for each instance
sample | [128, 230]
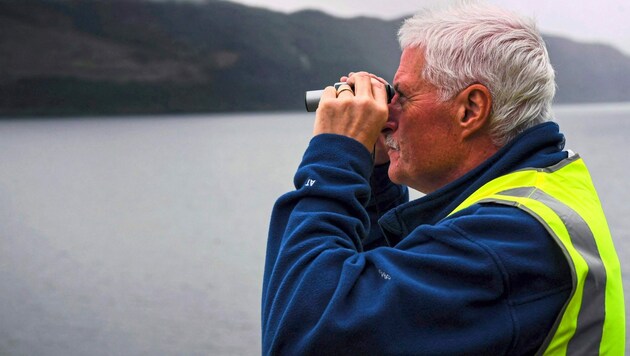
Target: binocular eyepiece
[312, 96]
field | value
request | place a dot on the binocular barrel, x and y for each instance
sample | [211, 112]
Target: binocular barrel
[312, 97]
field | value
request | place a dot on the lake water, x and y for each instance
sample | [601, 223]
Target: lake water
[146, 235]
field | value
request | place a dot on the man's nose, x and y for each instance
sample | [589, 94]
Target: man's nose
[392, 118]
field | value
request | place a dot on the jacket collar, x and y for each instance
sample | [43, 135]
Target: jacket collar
[537, 147]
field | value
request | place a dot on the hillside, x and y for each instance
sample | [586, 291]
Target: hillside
[80, 57]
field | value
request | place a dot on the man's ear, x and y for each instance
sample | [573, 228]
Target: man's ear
[474, 106]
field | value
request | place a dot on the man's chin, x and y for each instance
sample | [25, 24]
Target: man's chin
[393, 173]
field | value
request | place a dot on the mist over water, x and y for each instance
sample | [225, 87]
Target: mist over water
[146, 235]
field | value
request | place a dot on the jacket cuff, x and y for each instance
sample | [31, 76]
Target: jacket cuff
[338, 151]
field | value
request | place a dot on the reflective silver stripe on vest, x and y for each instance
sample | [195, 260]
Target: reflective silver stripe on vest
[590, 323]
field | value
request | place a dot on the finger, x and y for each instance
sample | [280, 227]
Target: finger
[385, 82]
[351, 77]
[363, 86]
[329, 93]
[379, 91]
[358, 73]
[344, 90]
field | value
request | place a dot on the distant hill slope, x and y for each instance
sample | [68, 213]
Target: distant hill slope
[80, 57]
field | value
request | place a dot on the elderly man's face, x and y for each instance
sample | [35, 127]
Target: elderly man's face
[422, 136]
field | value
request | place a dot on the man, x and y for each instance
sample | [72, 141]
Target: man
[508, 253]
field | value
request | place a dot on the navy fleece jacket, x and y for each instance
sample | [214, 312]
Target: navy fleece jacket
[488, 280]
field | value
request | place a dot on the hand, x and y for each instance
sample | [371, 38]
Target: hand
[350, 78]
[360, 115]
[380, 153]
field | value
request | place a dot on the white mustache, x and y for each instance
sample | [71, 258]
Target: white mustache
[391, 143]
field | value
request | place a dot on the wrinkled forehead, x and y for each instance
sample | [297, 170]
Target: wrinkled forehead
[409, 73]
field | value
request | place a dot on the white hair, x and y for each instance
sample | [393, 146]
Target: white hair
[476, 43]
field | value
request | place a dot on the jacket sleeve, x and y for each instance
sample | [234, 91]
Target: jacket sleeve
[324, 294]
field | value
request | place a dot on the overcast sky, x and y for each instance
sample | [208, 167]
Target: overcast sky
[606, 21]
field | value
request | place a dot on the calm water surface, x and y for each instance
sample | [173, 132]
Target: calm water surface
[146, 235]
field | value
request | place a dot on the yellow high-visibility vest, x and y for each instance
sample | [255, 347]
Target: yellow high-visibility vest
[563, 199]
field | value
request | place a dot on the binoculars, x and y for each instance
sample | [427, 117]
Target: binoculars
[312, 97]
